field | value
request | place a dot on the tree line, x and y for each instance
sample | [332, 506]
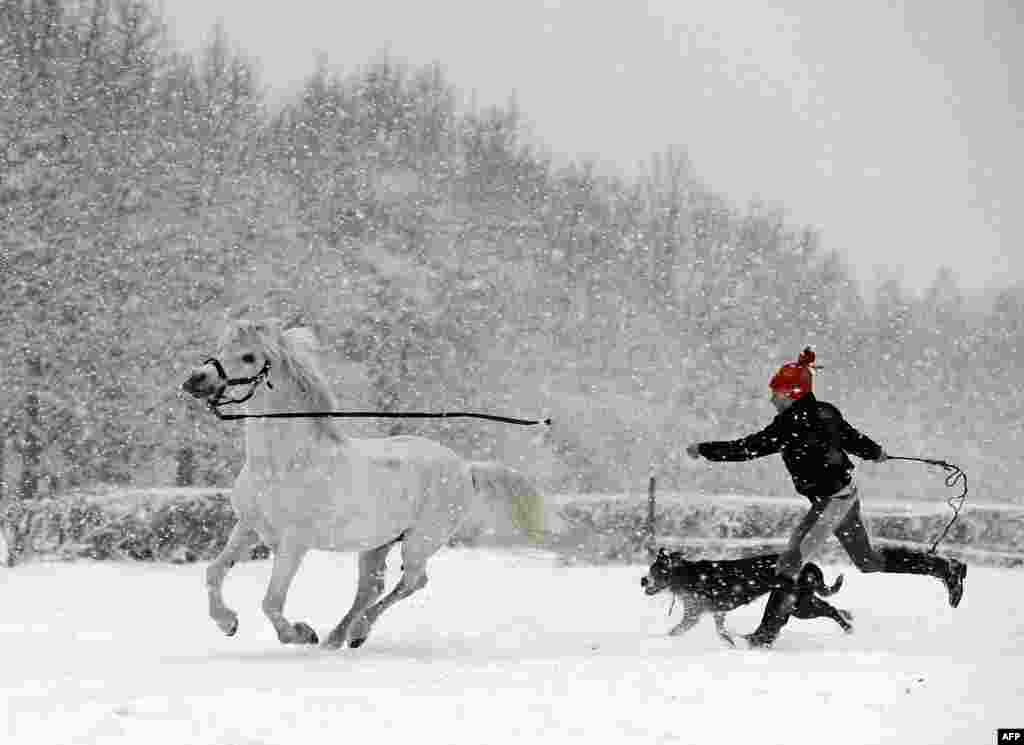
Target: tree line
[443, 263]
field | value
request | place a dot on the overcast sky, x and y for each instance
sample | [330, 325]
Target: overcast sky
[895, 127]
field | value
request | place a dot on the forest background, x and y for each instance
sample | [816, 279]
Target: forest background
[444, 264]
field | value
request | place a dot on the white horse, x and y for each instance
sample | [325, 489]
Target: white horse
[306, 485]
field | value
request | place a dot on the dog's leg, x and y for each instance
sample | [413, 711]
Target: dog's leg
[813, 607]
[693, 609]
[840, 616]
[782, 603]
[722, 631]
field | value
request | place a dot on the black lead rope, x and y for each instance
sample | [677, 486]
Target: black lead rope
[385, 414]
[263, 376]
[954, 475]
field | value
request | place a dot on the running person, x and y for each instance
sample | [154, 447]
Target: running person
[814, 440]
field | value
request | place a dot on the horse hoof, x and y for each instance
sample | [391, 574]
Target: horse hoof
[304, 634]
[334, 640]
[229, 627]
[356, 643]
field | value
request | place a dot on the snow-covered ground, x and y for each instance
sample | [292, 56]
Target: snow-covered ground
[500, 647]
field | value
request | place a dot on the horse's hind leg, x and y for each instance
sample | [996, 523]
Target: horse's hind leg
[372, 575]
[410, 582]
[288, 556]
[414, 578]
[241, 538]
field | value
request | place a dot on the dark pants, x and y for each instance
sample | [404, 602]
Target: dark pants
[827, 516]
[853, 535]
[851, 532]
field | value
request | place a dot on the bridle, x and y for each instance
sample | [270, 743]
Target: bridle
[253, 381]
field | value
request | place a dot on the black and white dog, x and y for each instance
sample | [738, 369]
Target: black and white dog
[718, 587]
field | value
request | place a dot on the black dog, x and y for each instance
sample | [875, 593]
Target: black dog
[721, 586]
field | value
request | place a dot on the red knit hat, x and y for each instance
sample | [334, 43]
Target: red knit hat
[794, 380]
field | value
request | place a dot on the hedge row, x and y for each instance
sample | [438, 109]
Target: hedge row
[168, 525]
[617, 529]
[179, 525]
[186, 525]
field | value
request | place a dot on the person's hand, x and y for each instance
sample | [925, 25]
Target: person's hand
[693, 450]
[882, 458]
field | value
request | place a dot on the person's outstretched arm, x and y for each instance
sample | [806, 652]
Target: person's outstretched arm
[757, 445]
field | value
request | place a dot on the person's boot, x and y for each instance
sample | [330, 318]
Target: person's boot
[952, 573]
[777, 611]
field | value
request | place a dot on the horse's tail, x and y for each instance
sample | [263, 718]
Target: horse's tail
[504, 488]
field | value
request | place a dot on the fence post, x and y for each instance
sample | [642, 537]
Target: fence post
[651, 527]
[32, 442]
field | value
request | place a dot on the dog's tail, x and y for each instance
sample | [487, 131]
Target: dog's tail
[824, 590]
[813, 578]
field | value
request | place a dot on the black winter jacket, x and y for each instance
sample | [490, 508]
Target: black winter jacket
[813, 438]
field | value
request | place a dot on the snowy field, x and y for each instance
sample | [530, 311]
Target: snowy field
[500, 647]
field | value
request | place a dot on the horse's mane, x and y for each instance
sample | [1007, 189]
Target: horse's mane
[293, 355]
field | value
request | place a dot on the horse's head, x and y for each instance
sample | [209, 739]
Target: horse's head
[243, 358]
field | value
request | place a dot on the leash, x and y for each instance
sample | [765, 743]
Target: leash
[384, 414]
[954, 475]
[217, 401]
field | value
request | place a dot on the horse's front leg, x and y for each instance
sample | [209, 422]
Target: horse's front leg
[242, 537]
[287, 559]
